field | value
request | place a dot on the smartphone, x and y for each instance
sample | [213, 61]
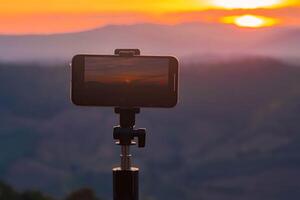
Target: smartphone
[124, 81]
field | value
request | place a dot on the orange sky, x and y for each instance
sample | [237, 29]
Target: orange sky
[58, 16]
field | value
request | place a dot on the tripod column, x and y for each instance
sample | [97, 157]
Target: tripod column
[125, 157]
[126, 184]
[126, 177]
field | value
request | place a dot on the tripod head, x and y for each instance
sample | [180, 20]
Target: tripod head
[125, 132]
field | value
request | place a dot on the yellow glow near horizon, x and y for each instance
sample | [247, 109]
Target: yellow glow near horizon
[246, 4]
[250, 21]
[152, 6]
[57, 16]
[76, 6]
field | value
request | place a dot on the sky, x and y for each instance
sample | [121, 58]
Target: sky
[61, 16]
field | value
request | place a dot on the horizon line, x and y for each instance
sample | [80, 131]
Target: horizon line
[139, 24]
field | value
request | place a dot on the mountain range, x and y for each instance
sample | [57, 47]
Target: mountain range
[183, 40]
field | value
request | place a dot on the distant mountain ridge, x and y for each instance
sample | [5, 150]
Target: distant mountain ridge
[182, 40]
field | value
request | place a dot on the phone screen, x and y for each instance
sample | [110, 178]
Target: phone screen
[119, 81]
[127, 72]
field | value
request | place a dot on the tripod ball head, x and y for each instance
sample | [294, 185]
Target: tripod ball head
[126, 135]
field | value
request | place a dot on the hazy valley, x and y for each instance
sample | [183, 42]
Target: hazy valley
[234, 134]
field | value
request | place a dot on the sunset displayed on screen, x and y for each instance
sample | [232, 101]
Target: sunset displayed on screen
[111, 71]
[60, 16]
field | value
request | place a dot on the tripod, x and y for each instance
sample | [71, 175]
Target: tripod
[126, 177]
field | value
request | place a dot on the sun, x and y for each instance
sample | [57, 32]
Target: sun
[246, 4]
[250, 21]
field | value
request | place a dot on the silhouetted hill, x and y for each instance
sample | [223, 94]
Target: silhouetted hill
[234, 134]
[193, 39]
[8, 193]
[282, 44]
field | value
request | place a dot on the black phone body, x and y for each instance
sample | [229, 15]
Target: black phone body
[124, 81]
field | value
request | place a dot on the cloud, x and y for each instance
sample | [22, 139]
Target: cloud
[46, 23]
[289, 16]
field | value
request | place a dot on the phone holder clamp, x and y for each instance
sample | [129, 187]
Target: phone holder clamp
[127, 52]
